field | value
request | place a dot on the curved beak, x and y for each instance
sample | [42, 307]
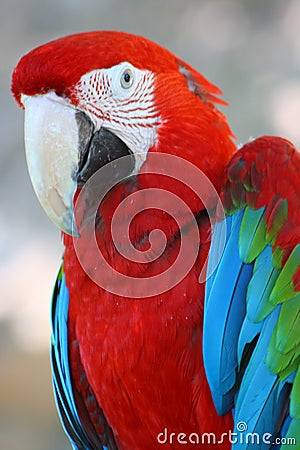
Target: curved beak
[63, 151]
[51, 145]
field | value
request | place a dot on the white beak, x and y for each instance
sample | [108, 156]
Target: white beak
[51, 144]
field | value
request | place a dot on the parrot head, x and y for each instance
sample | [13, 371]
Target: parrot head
[95, 97]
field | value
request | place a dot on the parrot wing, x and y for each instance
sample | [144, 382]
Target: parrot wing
[251, 341]
[74, 410]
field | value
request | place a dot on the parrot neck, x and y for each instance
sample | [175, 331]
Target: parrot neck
[140, 226]
[192, 127]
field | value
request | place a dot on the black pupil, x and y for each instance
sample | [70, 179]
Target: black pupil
[126, 77]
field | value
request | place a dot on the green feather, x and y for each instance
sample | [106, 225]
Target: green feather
[284, 288]
[279, 217]
[291, 368]
[277, 361]
[292, 438]
[295, 398]
[61, 272]
[252, 238]
[277, 257]
[288, 326]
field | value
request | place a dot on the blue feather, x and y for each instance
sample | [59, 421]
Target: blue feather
[261, 285]
[63, 391]
[221, 235]
[238, 325]
[257, 402]
[60, 343]
[81, 438]
[248, 333]
[229, 284]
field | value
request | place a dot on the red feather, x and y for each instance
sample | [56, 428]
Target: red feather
[273, 164]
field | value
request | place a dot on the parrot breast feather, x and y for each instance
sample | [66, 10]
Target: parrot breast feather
[252, 346]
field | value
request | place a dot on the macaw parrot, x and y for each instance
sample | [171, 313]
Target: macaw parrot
[131, 158]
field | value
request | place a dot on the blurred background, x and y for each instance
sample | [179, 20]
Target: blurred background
[249, 48]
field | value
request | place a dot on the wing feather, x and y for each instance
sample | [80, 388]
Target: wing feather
[71, 406]
[251, 342]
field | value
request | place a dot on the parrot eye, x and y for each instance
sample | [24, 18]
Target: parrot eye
[127, 79]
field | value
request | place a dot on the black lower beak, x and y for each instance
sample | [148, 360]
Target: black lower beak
[96, 149]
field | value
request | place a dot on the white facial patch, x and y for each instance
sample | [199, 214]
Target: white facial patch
[121, 99]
